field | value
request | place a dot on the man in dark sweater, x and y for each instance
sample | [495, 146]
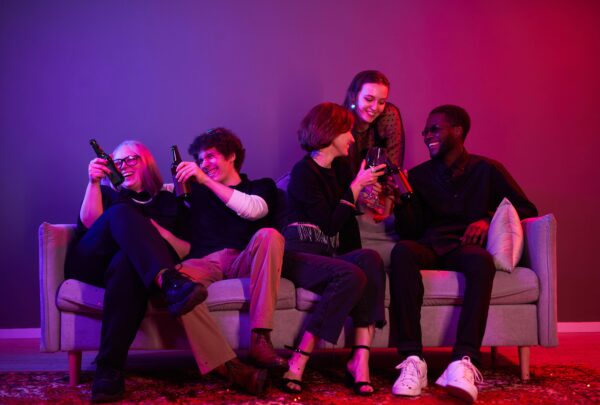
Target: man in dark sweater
[230, 238]
[445, 226]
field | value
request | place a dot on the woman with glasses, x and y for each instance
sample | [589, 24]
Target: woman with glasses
[323, 252]
[128, 241]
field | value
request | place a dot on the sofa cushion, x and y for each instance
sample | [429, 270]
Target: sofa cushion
[232, 294]
[505, 237]
[447, 288]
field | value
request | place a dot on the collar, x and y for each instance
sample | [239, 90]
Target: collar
[456, 169]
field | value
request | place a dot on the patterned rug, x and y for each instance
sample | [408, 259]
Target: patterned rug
[550, 384]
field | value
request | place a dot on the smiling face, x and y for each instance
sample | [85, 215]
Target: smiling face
[370, 101]
[218, 167]
[133, 172]
[341, 144]
[440, 136]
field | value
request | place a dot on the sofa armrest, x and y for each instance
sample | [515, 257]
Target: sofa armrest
[53, 243]
[540, 255]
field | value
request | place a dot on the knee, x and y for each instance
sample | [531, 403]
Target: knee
[479, 265]
[402, 258]
[270, 236]
[401, 251]
[121, 212]
[353, 278]
[371, 260]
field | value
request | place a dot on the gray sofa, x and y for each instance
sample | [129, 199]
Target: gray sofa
[522, 313]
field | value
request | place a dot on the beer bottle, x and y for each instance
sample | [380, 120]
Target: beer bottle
[115, 176]
[181, 189]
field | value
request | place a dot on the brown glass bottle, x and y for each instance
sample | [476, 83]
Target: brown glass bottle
[182, 190]
[404, 188]
[115, 176]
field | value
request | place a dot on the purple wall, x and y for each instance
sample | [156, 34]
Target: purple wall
[164, 71]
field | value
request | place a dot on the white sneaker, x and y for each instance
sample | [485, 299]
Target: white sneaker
[413, 377]
[459, 379]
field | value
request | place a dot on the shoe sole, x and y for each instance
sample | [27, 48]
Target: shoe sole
[460, 393]
[105, 398]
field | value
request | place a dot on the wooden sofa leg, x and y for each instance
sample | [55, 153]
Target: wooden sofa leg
[524, 362]
[74, 367]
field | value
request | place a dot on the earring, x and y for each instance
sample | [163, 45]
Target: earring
[353, 106]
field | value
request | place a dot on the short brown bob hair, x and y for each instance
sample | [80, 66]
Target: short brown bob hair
[323, 123]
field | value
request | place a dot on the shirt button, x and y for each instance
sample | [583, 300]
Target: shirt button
[455, 195]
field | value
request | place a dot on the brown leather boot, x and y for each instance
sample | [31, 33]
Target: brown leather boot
[252, 380]
[262, 352]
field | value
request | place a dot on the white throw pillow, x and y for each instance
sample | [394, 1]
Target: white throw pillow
[505, 237]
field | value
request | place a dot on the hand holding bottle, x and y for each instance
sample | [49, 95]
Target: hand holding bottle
[190, 170]
[97, 170]
[114, 175]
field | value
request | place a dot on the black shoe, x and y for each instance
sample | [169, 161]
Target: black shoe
[108, 385]
[182, 294]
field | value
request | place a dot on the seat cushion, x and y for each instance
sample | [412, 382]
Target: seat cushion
[447, 288]
[232, 294]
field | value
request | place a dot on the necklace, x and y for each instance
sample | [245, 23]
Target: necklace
[142, 202]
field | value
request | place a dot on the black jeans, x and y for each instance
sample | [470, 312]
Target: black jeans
[121, 252]
[406, 289]
[351, 284]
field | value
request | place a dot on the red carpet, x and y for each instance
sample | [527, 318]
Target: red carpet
[550, 384]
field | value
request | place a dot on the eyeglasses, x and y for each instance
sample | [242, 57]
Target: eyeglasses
[130, 161]
[434, 129]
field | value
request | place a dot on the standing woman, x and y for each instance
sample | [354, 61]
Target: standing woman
[377, 124]
[323, 251]
[126, 242]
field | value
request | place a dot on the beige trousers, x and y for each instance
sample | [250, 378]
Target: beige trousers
[261, 260]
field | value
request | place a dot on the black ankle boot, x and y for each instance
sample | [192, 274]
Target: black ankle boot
[182, 294]
[108, 385]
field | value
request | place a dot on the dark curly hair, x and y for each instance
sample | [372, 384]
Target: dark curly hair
[224, 141]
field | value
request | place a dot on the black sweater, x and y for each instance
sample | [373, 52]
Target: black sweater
[315, 195]
[214, 226]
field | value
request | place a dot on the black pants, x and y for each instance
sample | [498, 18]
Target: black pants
[351, 284]
[121, 252]
[406, 289]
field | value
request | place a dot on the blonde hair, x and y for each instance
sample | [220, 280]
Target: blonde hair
[152, 180]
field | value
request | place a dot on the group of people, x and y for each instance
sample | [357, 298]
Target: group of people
[140, 239]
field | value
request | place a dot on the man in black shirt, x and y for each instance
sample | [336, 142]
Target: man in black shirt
[445, 226]
[230, 238]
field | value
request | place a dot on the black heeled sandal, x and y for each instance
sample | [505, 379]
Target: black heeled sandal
[357, 385]
[285, 381]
